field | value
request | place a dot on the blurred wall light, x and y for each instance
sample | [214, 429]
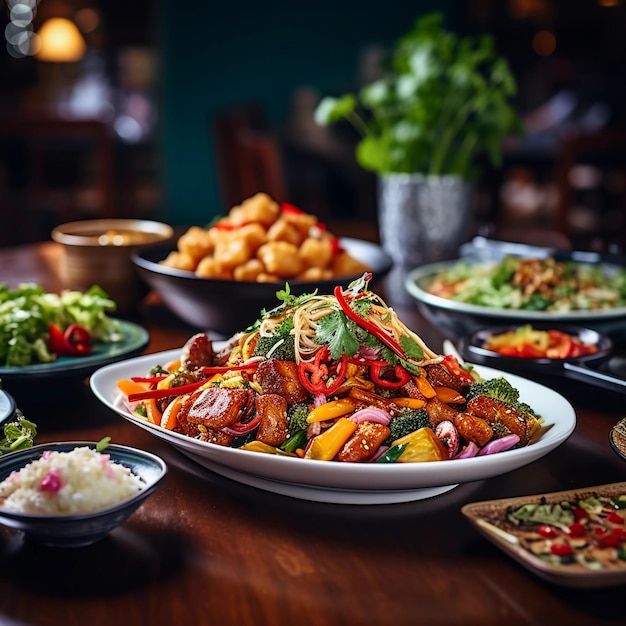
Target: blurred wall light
[60, 41]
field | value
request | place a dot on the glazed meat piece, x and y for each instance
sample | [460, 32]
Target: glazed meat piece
[281, 377]
[274, 426]
[365, 440]
[439, 376]
[439, 411]
[212, 435]
[197, 352]
[473, 428]
[493, 410]
[216, 407]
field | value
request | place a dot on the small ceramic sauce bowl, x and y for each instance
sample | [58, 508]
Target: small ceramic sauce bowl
[99, 252]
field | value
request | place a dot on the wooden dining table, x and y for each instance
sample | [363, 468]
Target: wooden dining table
[204, 549]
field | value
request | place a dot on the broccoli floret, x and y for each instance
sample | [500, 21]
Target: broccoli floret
[406, 422]
[499, 388]
[280, 344]
[276, 347]
[296, 415]
[527, 411]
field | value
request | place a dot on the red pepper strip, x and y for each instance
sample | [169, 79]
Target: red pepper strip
[366, 325]
[165, 393]
[219, 369]
[56, 341]
[152, 380]
[452, 365]
[245, 427]
[401, 375]
[335, 246]
[285, 207]
[314, 376]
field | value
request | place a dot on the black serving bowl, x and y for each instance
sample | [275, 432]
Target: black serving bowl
[602, 368]
[228, 306]
[457, 319]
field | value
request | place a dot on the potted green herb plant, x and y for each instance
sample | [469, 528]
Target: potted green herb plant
[443, 101]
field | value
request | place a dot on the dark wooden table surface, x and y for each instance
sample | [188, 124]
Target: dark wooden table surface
[206, 550]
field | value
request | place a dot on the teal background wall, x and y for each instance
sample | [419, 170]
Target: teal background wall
[218, 54]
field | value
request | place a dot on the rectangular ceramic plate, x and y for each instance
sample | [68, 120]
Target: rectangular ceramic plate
[489, 518]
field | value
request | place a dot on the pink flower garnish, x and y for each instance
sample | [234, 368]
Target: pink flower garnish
[51, 482]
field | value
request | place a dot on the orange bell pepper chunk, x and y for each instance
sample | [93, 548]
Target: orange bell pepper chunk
[449, 395]
[129, 386]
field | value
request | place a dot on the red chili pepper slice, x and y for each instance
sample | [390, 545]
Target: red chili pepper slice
[285, 207]
[75, 341]
[165, 393]
[379, 372]
[335, 246]
[315, 375]
[452, 365]
[56, 340]
[78, 339]
[388, 341]
[245, 427]
[152, 380]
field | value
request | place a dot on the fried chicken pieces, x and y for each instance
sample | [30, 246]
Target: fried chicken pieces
[262, 241]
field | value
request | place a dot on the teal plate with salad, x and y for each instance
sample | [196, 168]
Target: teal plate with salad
[134, 339]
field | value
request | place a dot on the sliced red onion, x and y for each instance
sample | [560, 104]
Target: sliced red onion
[381, 450]
[371, 414]
[470, 450]
[447, 432]
[369, 353]
[499, 445]
[319, 399]
[314, 429]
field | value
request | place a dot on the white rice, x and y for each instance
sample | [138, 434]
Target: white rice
[63, 483]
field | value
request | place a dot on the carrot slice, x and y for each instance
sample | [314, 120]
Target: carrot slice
[168, 419]
[152, 411]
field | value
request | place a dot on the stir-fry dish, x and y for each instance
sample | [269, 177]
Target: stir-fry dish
[533, 284]
[332, 377]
